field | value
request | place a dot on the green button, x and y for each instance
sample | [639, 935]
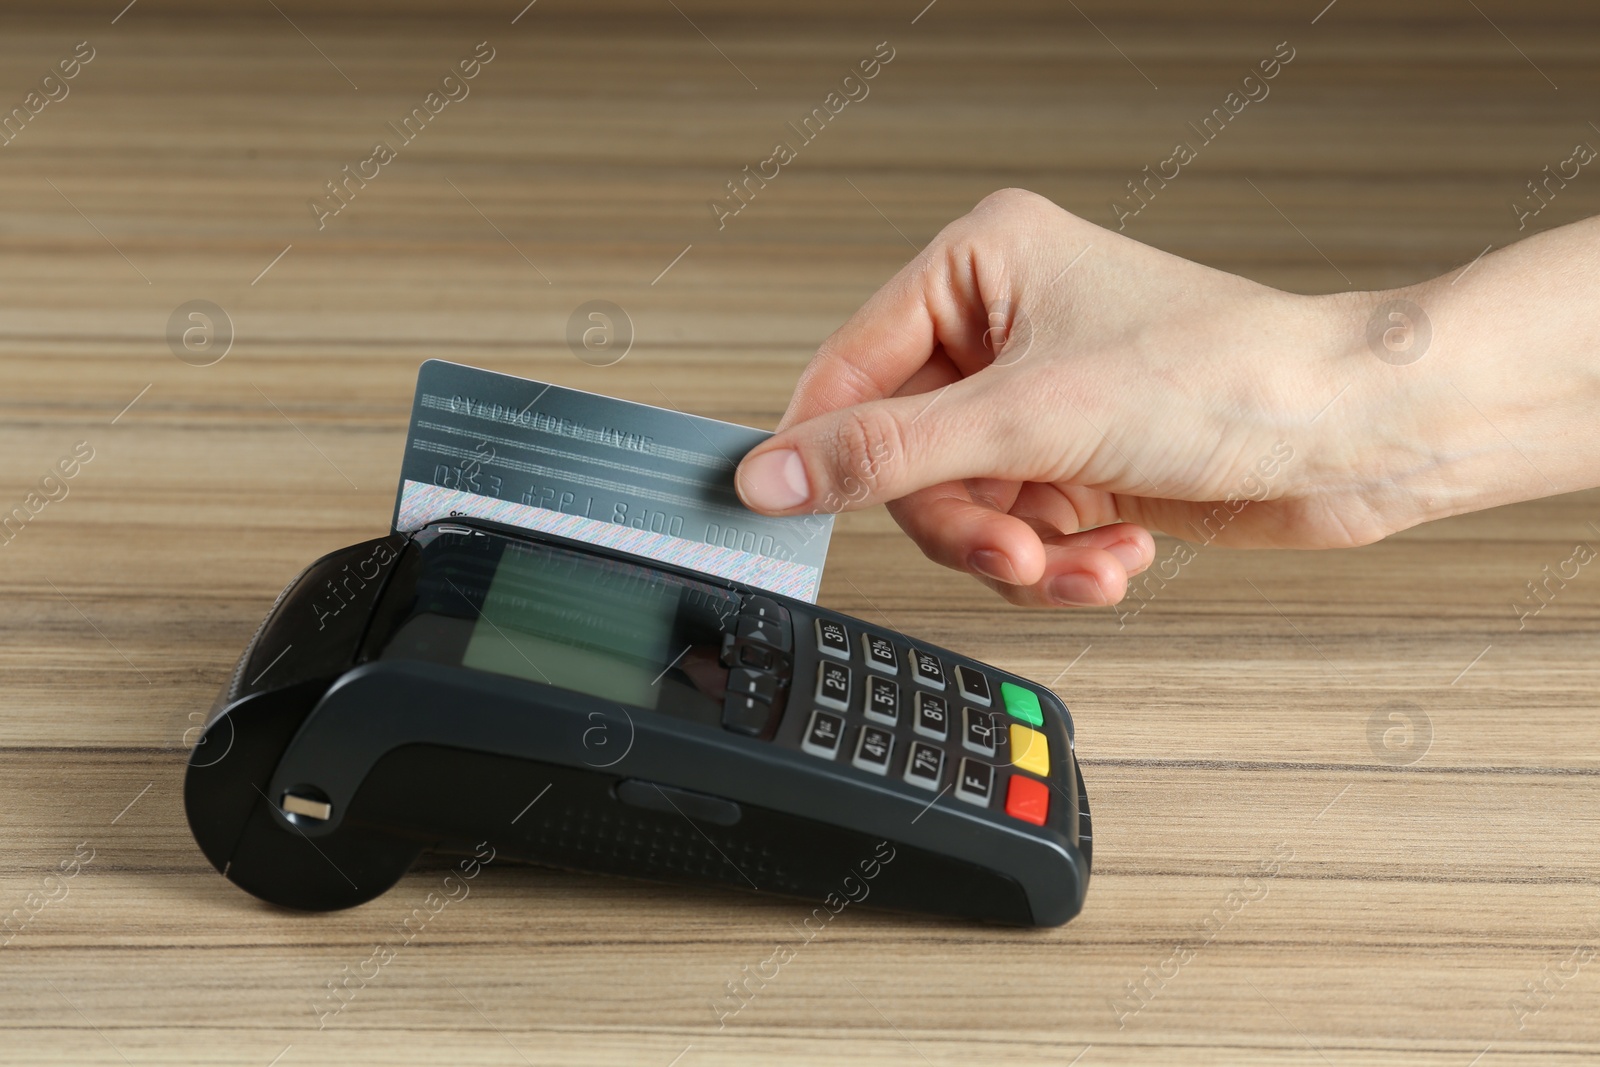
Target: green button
[1022, 704]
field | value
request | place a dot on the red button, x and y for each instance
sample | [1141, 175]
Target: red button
[1028, 799]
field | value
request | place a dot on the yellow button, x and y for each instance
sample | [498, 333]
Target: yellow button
[1030, 750]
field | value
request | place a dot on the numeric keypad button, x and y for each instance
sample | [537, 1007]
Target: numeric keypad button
[978, 731]
[925, 765]
[883, 701]
[933, 717]
[873, 749]
[833, 686]
[972, 685]
[926, 668]
[833, 639]
[823, 734]
[879, 653]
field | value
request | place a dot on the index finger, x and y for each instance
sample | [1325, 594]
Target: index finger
[874, 353]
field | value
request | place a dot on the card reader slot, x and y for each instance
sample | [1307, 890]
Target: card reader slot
[696, 807]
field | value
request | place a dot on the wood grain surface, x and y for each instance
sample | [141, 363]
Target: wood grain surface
[1290, 873]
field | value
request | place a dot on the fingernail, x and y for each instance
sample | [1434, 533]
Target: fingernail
[1080, 589]
[774, 481]
[1129, 554]
[992, 564]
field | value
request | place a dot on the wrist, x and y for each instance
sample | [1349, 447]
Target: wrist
[1473, 390]
[1363, 466]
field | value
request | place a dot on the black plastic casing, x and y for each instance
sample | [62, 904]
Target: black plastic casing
[417, 756]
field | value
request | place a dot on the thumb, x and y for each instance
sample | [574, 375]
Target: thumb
[871, 453]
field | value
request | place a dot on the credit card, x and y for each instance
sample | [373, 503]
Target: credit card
[651, 481]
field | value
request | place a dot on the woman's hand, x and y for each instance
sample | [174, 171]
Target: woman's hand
[1033, 394]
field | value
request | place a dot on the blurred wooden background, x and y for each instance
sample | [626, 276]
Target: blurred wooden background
[1434, 900]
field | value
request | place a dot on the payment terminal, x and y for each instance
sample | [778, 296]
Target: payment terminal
[580, 707]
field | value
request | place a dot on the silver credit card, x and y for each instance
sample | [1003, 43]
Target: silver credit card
[640, 479]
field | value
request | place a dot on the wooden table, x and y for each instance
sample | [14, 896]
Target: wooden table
[1291, 873]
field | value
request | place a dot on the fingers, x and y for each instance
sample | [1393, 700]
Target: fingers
[879, 451]
[1085, 568]
[965, 535]
[1063, 509]
[1088, 569]
[936, 304]
[873, 354]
